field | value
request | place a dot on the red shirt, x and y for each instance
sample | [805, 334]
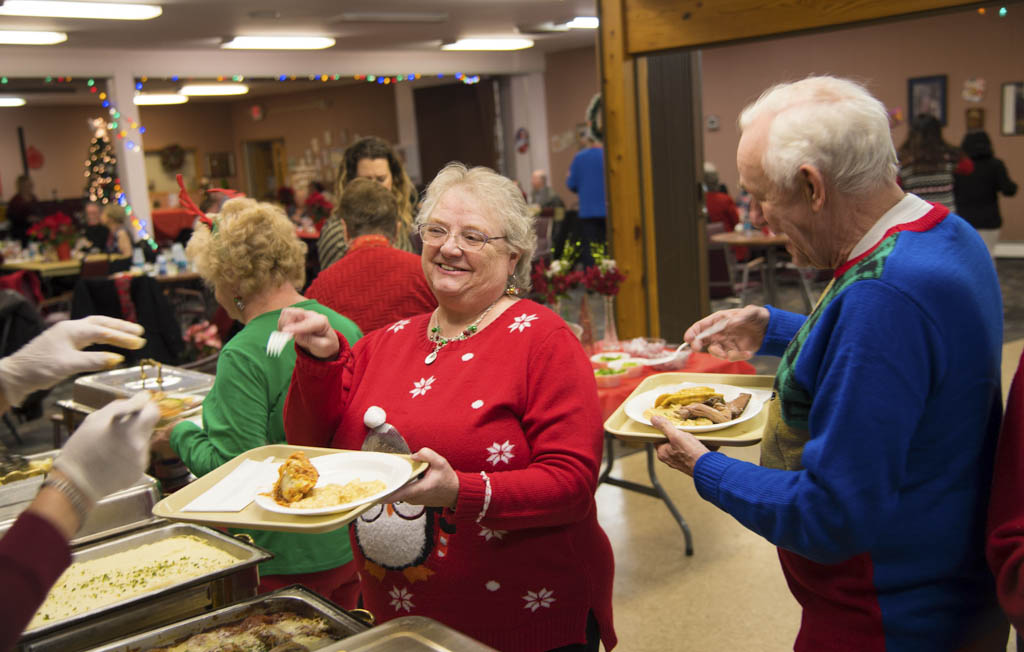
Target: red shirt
[521, 560]
[374, 284]
[33, 554]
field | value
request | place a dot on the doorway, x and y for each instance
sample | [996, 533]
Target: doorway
[266, 166]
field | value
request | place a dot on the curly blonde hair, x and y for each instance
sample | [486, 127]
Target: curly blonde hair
[253, 248]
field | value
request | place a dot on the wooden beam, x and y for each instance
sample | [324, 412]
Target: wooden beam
[657, 25]
[622, 173]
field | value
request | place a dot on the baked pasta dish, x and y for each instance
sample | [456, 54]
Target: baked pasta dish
[276, 632]
[697, 406]
[89, 585]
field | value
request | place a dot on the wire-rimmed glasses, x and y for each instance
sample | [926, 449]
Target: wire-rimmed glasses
[437, 234]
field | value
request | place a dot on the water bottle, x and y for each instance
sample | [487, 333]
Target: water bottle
[138, 260]
[161, 265]
[178, 256]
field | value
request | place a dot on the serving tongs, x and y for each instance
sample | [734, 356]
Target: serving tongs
[716, 327]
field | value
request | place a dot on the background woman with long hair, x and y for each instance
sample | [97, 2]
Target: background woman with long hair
[373, 158]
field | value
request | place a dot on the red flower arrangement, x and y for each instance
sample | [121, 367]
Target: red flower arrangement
[604, 277]
[554, 281]
[318, 208]
[54, 229]
[201, 340]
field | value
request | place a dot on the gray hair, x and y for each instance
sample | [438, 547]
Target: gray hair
[498, 195]
[833, 124]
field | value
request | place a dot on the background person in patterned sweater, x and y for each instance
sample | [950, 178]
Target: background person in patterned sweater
[877, 457]
[500, 538]
[374, 284]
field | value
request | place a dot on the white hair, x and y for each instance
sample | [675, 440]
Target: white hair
[834, 124]
[501, 197]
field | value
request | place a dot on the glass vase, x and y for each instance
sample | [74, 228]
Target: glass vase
[610, 339]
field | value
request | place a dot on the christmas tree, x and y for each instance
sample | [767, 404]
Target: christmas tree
[101, 166]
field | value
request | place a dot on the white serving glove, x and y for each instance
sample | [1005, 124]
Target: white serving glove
[56, 354]
[110, 450]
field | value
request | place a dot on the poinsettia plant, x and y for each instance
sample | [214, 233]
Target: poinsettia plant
[201, 340]
[54, 229]
[554, 281]
[318, 208]
[604, 277]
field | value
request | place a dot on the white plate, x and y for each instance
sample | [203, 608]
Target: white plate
[636, 406]
[342, 468]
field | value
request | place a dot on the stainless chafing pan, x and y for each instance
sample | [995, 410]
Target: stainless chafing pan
[409, 634]
[169, 604]
[294, 598]
[125, 510]
[96, 390]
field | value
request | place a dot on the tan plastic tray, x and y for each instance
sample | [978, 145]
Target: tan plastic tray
[747, 433]
[253, 516]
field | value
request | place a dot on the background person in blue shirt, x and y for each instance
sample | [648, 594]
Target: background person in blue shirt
[586, 179]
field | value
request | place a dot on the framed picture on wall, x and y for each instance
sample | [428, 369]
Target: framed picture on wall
[1013, 109]
[927, 95]
[975, 118]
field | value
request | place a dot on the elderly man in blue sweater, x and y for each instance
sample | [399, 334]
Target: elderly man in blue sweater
[877, 458]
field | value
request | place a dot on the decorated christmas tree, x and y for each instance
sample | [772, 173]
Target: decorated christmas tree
[101, 166]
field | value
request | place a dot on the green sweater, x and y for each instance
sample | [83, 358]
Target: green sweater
[244, 410]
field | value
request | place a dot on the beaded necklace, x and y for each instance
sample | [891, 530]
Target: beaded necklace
[441, 341]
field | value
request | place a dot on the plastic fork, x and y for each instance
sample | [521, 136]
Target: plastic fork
[276, 343]
[685, 345]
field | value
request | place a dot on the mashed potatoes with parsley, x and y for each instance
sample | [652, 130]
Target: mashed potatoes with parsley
[89, 585]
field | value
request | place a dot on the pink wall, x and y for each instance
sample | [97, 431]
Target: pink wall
[61, 134]
[201, 126]
[961, 45]
[570, 81]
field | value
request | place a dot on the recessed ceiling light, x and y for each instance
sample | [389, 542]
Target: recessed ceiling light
[60, 9]
[12, 101]
[214, 89]
[583, 22]
[152, 99]
[279, 43]
[489, 44]
[12, 37]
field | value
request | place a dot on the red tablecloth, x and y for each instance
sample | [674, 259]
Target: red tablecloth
[612, 397]
[168, 223]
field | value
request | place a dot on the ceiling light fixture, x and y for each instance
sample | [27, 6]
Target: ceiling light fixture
[60, 9]
[12, 101]
[12, 37]
[392, 17]
[279, 43]
[154, 99]
[214, 89]
[502, 44]
[583, 22]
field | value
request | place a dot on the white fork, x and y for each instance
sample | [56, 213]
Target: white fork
[276, 343]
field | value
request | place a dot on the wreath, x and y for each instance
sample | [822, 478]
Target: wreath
[595, 118]
[172, 158]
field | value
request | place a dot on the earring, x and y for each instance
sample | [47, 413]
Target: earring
[512, 290]
[239, 304]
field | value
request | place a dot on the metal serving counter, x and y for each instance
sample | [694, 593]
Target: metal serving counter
[168, 604]
[295, 599]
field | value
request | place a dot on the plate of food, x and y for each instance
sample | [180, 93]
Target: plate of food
[176, 406]
[333, 483]
[698, 407]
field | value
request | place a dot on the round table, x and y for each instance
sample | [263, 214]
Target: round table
[758, 241]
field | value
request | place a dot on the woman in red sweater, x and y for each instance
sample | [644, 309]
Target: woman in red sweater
[500, 538]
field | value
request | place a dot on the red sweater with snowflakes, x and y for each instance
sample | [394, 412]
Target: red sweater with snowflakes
[521, 560]
[374, 284]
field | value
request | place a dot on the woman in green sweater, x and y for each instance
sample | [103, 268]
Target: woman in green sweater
[254, 262]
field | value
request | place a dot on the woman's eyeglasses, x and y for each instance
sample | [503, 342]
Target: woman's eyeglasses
[436, 234]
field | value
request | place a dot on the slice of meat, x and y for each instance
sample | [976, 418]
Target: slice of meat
[706, 411]
[738, 404]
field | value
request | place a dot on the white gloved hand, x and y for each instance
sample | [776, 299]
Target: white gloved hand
[110, 450]
[56, 354]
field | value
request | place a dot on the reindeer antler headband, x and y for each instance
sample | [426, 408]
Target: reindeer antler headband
[191, 207]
